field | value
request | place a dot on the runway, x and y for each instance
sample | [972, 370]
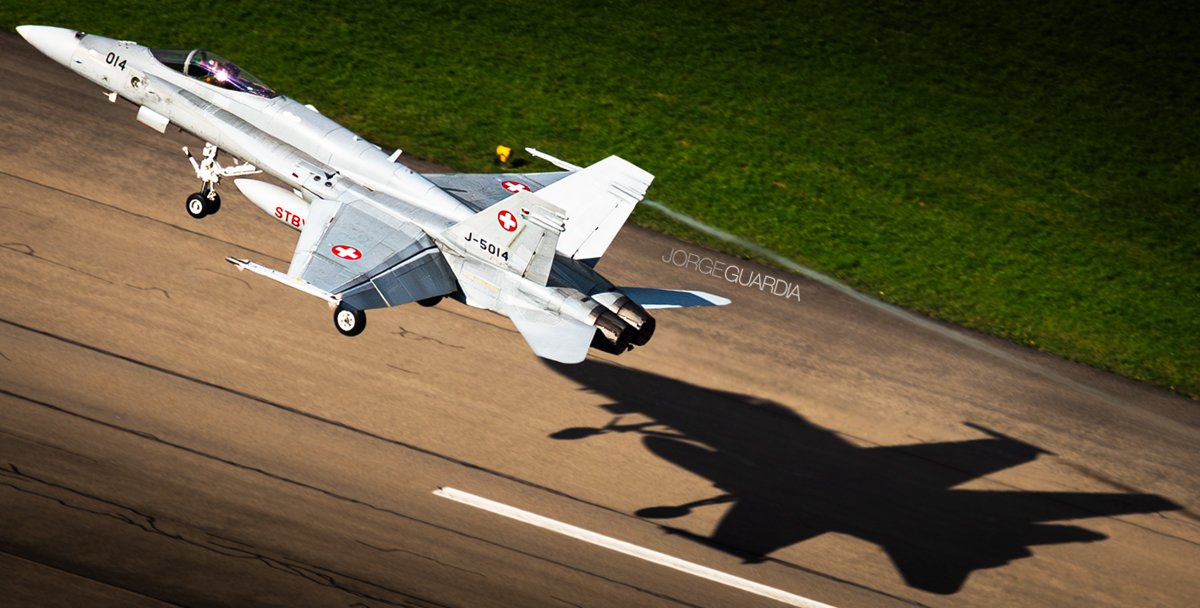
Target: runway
[176, 433]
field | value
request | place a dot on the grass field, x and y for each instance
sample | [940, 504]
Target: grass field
[1025, 168]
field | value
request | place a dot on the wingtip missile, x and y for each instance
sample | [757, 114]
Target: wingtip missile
[554, 160]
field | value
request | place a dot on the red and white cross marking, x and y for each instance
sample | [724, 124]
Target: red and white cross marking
[515, 187]
[346, 252]
[507, 220]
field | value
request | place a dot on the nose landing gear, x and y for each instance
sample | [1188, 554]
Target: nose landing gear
[207, 202]
[203, 204]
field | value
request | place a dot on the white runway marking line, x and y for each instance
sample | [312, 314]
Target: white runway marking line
[621, 546]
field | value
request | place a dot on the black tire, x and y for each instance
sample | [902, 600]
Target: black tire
[349, 321]
[212, 205]
[197, 206]
[429, 302]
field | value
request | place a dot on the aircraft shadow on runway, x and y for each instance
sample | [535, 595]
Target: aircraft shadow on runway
[787, 480]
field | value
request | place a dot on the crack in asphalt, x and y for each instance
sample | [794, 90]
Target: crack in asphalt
[555, 597]
[20, 210]
[60, 568]
[47, 445]
[139, 215]
[348, 499]
[150, 288]
[68, 497]
[1189, 518]
[226, 275]
[420, 555]
[406, 333]
[25, 249]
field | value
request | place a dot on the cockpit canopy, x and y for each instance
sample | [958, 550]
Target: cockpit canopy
[213, 69]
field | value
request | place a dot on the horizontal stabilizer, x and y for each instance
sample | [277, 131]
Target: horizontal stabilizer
[552, 336]
[650, 298]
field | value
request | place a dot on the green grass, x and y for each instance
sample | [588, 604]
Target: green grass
[1025, 168]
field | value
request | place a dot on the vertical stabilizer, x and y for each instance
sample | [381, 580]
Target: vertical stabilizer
[597, 200]
[519, 234]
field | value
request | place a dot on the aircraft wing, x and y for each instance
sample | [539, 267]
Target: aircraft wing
[370, 258]
[482, 190]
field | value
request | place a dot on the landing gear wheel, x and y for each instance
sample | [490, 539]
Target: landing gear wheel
[428, 302]
[349, 322]
[197, 206]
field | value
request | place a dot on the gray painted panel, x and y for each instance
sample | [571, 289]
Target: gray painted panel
[482, 190]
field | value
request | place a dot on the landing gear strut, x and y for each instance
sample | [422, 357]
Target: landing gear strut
[209, 171]
[349, 321]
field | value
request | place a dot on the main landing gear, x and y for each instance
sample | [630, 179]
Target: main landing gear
[349, 321]
[207, 202]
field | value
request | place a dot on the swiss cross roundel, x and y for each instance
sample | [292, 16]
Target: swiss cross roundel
[515, 187]
[346, 252]
[507, 220]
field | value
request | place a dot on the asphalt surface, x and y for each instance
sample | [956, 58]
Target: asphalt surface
[173, 432]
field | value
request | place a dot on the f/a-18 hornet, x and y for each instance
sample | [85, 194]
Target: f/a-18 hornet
[373, 233]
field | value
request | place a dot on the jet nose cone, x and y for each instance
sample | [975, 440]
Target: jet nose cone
[57, 43]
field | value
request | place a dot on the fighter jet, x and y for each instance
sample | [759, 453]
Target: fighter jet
[375, 234]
